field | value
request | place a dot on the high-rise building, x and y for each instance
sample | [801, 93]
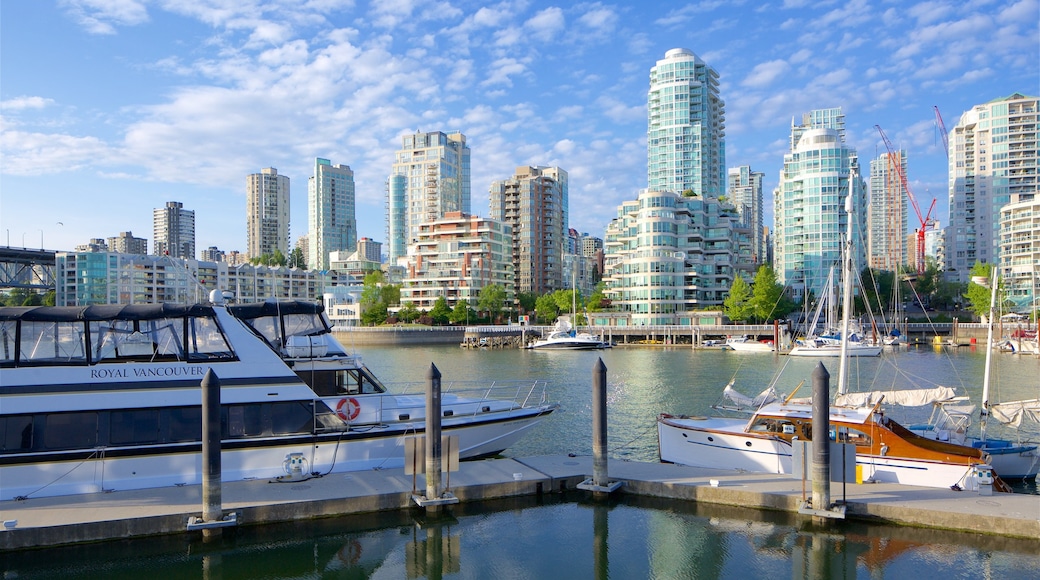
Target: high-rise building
[531, 202]
[430, 177]
[173, 231]
[994, 158]
[1020, 252]
[809, 204]
[330, 213]
[267, 213]
[745, 193]
[686, 135]
[370, 250]
[126, 243]
[887, 247]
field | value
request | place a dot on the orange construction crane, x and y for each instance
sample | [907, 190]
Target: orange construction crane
[926, 219]
[942, 131]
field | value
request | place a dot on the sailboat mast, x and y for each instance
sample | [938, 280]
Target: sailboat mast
[994, 281]
[846, 288]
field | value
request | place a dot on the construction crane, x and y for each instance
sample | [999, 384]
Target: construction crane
[926, 219]
[942, 132]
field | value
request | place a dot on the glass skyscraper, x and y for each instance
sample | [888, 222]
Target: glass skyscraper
[809, 203]
[686, 135]
[430, 177]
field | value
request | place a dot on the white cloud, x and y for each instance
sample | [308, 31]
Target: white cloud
[20, 103]
[103, 16]
[41, 153]
[501, 72]
[766, 73]
[546, 24]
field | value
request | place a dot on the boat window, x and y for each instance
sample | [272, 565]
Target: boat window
[267, 327]
[17, 433]
[243, 421]
[138, 340]
[70, 430]
[855, 436]
[183, 424]
[303, 325]
[52, 343]
[770, 425]
[206, 341]
[7, 330]
[134, 426]
[291, 417]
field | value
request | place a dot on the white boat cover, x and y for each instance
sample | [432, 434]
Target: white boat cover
[1012, 413]
[903, 397]
[765, 397]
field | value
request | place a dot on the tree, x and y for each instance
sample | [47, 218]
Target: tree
[978, 296]
[737, 305]
[491, 300]
[768, 301]
[440, 311]
[390, 294]
[373, 309]
[461, 313]
[546, 308]
[527, 301]
[598, 300]
[297, 259]
[408, 313]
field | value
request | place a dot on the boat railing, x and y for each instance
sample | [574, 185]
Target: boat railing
[406, 402]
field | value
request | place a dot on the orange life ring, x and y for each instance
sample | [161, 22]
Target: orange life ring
[350, 553]
[348, 409]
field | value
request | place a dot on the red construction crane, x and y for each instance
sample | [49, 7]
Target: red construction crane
[942, 131]
[893, 161]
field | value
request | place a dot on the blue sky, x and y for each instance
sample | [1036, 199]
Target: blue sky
[111, 108]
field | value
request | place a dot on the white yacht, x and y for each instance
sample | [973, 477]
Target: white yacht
[101, 398]
[563, 337]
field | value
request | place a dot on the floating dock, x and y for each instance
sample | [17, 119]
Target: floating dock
[42, 522]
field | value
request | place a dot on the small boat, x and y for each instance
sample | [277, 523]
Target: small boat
[563, 337]
[745, 344]
[101, 398]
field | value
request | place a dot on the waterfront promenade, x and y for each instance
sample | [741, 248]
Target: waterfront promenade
[40, 522]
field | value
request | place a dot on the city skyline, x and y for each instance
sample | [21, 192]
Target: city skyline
[110, 112]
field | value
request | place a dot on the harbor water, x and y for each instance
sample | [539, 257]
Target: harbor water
[572, 535]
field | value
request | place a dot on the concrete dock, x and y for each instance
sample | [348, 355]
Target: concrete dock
[40, 522]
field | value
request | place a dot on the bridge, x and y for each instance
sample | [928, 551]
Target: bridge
[26, 268]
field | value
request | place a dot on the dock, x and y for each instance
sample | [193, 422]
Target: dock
[53, 521]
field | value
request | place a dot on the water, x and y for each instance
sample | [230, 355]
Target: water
[643, 382]
[627, 537]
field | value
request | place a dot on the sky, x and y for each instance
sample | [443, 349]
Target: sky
[111, 108]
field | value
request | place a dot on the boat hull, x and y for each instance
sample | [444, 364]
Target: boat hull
[93, 471]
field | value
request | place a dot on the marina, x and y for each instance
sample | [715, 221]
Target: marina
[556, 456]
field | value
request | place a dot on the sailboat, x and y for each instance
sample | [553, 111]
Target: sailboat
[833, 342]
[886, 451]
[951, 419]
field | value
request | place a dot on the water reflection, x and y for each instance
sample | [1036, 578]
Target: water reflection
[572, 535]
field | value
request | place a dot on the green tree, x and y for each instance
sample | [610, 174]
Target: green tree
[768, 301]
[408, 313]
[737, 305]
[297, 259]
[492, 298]
[440, 311]
[390, 294]
[978, 296]
[373, 309]
[598, 301]
[461, 314]
[546, 308]
[527, 301]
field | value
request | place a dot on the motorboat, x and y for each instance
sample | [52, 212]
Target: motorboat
[564, 337]
[746, 344]
[108, 397]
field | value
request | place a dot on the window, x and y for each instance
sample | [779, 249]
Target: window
[70, 431]
[134, 427]
[292, 417]
[17, 433]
